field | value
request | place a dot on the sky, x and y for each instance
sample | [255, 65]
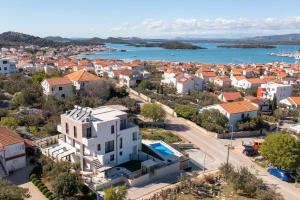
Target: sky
[151, 18]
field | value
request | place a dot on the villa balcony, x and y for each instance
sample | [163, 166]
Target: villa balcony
[59, 128]
[89, 141]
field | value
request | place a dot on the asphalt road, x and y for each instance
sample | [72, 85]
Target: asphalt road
[217, 149]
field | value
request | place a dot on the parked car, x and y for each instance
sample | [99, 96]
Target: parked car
[249, 151]
[281, 174]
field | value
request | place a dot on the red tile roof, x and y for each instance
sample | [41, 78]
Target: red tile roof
[231, 96]
[9, 137]
[58, 81]
[82, 75]
[238, 107]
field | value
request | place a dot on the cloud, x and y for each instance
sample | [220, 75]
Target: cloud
[211, 27]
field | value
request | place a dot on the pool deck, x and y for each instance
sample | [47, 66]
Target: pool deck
[175, 154]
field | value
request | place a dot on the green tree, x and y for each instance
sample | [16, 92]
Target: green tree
[274, 103]
[213, 120]
[65, 184]
[153, 111]
[9, 121]
[145, 84]
[38, 77]
[282, 150]
[185, 111]
[251, 124]
[9, 191]
[115, 193]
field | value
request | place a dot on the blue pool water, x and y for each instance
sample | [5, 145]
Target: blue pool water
[212, 54]
[161, 149]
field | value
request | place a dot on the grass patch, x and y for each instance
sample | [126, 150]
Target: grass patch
[160, 134]
[132, 165]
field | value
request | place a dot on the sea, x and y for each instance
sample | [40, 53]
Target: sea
[212, 54]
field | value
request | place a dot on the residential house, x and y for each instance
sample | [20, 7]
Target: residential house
[230, 96]
[249, 83]
[12, 151]
[187, 82]
[291, 102]
[65, 87]
[7, 66]
[237, 111]
[222, 81]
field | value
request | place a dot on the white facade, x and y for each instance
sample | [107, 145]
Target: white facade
[12, 151]
[63, 91]
[7, 66]
[100, 137]
[281, 91]
[191, 83]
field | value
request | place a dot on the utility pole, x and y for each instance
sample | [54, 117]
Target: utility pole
[204, 163]
[227, 155]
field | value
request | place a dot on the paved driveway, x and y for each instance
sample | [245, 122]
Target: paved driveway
[21, 179]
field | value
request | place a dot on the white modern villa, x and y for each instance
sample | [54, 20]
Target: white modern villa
[98, 138]
[104, 142]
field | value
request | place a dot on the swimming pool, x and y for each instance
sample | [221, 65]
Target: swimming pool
[161, 149]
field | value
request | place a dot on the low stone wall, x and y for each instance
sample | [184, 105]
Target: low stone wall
[158, 173]
[241, 134]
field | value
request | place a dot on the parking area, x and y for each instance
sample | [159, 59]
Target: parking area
[199, 158]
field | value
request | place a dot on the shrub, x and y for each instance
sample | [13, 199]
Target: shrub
[40, 184]
[33, 176]
[51, 197]
[48, 194]
[45, 190]
[35, 182]
[185, 111]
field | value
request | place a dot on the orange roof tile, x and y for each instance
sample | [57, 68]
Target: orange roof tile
[294, 100]
[58, 81]
[8, 137]
[231, 96]
[238, 107]
[82, 75]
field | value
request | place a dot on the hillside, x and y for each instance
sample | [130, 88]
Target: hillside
[17, 39]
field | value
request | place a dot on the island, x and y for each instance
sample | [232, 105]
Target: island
[168, 45]
[248, 46]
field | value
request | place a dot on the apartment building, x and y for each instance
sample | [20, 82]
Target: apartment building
[7, 66]
[97, 138]
[12, 151]
[270, 90]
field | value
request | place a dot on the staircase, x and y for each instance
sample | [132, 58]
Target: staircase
[97, 164]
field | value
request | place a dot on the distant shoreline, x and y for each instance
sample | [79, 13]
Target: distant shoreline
[248, 46]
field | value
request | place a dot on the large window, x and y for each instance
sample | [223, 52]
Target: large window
[112, 129]
[134, 136]
[123, 124]
[121, 143]
[112, 157]
[109, 146]
[88, 132]
[67, 128]
[75, 131]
